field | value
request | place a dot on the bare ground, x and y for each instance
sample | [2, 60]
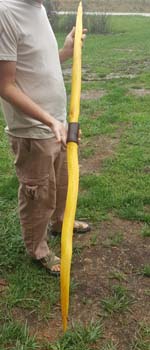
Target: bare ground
[140, 92]
[104, 147]
[92, 271]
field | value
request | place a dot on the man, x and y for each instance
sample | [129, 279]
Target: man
[34, 104]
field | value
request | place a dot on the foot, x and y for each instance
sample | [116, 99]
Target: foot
[52, 264]
[79, 227]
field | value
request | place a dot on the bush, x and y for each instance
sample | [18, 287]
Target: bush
[64, 23]
[97, 24]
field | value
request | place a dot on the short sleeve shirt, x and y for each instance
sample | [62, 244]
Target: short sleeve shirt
[27, 38]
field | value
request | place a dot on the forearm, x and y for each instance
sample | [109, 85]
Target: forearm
[16, 97]
[64, 55]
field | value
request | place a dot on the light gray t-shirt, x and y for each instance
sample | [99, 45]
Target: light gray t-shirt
[26, 37]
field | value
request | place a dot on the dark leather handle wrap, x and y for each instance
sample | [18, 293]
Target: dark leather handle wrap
[73, 132]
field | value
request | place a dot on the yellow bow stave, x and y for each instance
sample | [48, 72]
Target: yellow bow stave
[73, 173]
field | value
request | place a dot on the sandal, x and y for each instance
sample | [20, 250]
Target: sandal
[79, 227]
[49, 262]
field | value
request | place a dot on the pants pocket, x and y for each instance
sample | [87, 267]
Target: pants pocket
[35, 189]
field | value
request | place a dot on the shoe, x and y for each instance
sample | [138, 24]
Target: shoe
[79, 228]
[49, 262]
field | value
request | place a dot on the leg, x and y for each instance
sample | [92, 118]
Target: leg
[37, 191]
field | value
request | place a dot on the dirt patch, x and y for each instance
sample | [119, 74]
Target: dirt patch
[119, 76]
[92, 94]
[87, 75]
[92, 274]
[94, 268]
[124, 50]
[3, 285]
[104, 147]
[140, 92]
[147, 170]
[68, 71]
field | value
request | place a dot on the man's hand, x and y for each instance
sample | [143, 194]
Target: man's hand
[59, 131]
[67, 51]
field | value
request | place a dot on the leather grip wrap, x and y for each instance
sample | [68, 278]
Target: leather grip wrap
[73, 132]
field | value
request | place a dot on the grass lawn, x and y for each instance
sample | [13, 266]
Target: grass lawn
[110, 308]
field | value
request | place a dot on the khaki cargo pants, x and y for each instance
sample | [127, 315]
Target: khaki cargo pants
[41, 168]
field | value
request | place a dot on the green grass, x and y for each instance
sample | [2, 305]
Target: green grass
[145, 231]
[142, 337]
[77, 249]
[114, 240]
[109, 346]
[147, 292]
[118, 275]
[87, 152]
[118, 302]
[146, 270]
[93, 240]
[123, 186]
[15, 336]
[81, 337]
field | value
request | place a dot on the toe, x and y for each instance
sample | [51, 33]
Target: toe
[55, 268]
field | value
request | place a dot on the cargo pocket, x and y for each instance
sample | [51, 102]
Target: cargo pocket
[32, 192]
[35, 189]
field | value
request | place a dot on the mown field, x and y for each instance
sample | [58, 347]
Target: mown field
[110, 285]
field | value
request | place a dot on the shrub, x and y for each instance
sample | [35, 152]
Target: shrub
[97, 24]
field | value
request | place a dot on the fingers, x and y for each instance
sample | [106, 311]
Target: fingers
[85, 30]
[60, 132]
[84, 34]
[83, 37]
[63, 141]
[80, 132]
[69, 43]
[72, 33]
[57, 135]
[63, 136]
[79, 136]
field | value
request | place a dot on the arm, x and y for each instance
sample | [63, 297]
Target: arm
[67, 51]
[13, 95]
